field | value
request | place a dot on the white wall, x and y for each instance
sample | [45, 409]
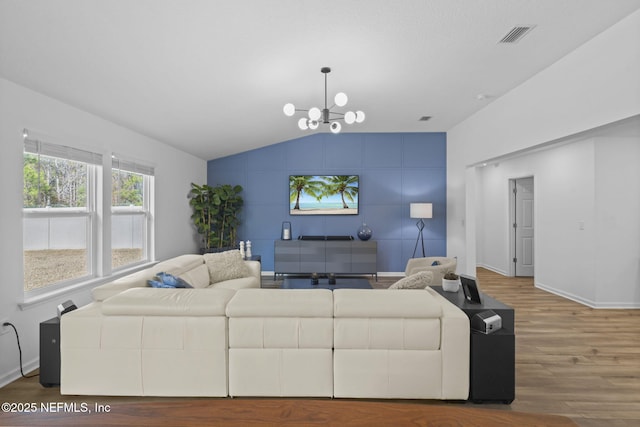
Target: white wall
[587, 205]
[564, 196]
[617, 216]
[595, 85]
[174, 170]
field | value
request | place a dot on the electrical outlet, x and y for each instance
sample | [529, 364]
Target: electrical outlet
[4, 329]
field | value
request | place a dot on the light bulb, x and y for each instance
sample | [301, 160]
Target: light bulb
[289, 109]
[314, 113]
[359, 116]
[335, 127]
[313, 124]
[349, 117]
[302, 124]
[341, 99]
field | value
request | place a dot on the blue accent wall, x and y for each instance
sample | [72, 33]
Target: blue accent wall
[395, 169]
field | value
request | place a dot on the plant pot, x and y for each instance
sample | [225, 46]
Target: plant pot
[450, 285]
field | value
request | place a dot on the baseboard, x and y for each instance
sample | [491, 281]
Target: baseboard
[390, 273]
[13, 375]
[495, 270]
[587, 302]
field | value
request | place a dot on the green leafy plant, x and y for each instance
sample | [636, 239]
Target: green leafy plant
[215, 213]
[451, 276]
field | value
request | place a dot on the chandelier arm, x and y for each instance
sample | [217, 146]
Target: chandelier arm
[335, 112]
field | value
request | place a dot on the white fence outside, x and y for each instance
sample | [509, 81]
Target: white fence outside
[128, 231]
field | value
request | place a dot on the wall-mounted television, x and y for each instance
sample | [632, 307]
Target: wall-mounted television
[323, 194]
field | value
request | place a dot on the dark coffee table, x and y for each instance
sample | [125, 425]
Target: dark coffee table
[341, 283]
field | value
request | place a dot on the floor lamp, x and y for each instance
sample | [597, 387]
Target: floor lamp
[421, 211]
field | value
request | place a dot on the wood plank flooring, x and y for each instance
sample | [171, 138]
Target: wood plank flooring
[571, 360]
[290, 412]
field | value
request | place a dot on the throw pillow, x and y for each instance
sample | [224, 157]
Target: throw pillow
[226, 266]
[415, 281]
[173, 281]
[158, 284]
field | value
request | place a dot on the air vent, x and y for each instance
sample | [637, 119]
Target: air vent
[516, 34]
[424, 118]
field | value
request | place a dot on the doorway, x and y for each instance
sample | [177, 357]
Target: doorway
[522, 226]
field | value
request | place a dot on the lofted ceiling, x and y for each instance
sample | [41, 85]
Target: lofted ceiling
[211, 77]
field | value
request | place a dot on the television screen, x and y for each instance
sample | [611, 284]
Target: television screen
[323, 194]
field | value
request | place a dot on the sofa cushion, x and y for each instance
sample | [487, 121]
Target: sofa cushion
[197, 277]
[380, 303]
[168, 302]
[133, 280]
[241, 283]
[225, 266]
[180, 264]
[281, 303]
[416, 281]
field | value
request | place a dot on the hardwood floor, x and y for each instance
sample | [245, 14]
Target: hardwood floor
[571, 360]
[283, 411]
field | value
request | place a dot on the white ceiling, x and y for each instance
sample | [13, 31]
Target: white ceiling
[211, 77]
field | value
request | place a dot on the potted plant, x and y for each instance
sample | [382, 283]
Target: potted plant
[215, 215]
[450, 282]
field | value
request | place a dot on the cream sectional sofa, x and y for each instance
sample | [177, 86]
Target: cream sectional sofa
[223, 341]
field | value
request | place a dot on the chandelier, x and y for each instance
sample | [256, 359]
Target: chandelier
[315, 115]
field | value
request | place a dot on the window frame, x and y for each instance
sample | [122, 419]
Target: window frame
[93, 163]
[98, 212]
[122, 163]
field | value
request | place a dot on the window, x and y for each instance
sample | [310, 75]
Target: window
[65, 210]
[131, 208]
[59, 215]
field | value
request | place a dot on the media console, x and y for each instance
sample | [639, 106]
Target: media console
[306, 256]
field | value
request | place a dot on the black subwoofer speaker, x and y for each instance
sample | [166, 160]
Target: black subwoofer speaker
[50, 352]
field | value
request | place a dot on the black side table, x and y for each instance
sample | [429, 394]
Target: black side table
[50, 352]
[492, 358]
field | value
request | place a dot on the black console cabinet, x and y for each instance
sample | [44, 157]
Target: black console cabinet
[492, 358]
[50, 352]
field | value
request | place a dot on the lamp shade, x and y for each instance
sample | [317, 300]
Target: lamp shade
[421, 210]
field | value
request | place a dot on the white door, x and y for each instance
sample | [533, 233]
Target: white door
[523, 226]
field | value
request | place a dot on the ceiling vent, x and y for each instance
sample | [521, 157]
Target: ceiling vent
[424, 118]
[516, 34]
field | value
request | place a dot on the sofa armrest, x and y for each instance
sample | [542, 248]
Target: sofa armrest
[255, 269]
[455, 348]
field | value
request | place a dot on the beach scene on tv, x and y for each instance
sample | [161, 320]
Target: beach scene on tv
[323, 194]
